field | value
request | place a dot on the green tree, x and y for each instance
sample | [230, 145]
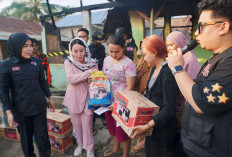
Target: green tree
[31, 10]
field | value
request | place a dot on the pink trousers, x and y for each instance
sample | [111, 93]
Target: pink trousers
[83, 127]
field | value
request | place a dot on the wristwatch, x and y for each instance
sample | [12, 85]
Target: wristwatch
[177, 68]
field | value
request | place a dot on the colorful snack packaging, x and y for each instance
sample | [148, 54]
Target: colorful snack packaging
[99, 90]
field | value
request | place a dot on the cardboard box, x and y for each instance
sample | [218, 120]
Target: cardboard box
[11, 134]
[59, 124]
[2, 130]
[56, 110]
[59, 144]
[132, 109]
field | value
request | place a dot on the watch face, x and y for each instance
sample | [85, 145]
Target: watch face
[179, 68]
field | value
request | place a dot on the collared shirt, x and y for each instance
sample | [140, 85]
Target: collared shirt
[23, 86]
[210, 134]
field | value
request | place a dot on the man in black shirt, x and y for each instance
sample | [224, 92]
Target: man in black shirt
[207, 121]
[97, 49]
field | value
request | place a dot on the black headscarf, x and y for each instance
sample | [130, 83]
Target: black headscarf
[15, 45]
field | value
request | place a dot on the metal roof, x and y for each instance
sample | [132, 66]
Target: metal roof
[13, 25]
[98, 18]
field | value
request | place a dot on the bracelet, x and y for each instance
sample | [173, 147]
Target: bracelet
[148, 125]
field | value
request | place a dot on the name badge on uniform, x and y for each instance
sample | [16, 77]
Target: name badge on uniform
[129, 49]
[205, 72]
[15, 68]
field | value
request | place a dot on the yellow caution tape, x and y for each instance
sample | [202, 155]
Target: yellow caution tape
[61, 53]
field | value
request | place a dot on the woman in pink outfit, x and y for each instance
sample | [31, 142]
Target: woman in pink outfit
[176, 40]
[78, 67]
[121, 72]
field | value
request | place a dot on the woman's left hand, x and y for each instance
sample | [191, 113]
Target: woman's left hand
[90, 80]
[111, 107]
[138, 130]
[52, 105]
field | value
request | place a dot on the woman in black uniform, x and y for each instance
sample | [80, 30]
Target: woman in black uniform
[23, 89]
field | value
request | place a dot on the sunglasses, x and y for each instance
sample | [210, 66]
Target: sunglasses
[201, 24]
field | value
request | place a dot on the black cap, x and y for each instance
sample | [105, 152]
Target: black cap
[98, 36]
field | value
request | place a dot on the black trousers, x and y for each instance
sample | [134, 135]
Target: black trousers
[159, 144]
[177, 147]
[34, 125]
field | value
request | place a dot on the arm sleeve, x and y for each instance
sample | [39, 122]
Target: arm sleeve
[212, 97]
[43, 81]
[48, 72]
[213, 94]
[130, 70]
[4, 88]
[167, 112]
[75, 78]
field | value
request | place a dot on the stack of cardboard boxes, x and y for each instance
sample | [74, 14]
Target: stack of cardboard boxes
[59, 131]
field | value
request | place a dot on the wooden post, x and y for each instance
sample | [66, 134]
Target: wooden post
[137, 26]
[194, 26]
[44, 40]
[167, 26]
[152, 21]
[86, 18]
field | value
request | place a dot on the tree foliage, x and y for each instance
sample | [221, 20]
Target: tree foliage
[31, 10]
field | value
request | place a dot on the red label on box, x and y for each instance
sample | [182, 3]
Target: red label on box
[121, 99]
[141, 120]
[145, 111]
[11, 133]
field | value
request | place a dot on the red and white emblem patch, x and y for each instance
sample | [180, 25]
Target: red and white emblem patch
[33, 63]
[15, 68]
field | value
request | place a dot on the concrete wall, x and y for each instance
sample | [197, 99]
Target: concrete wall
[59, 79]
[137, 26]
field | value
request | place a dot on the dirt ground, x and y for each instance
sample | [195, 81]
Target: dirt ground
[13, 149]
[102, 141]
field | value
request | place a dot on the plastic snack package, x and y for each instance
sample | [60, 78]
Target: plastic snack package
[99, 90]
